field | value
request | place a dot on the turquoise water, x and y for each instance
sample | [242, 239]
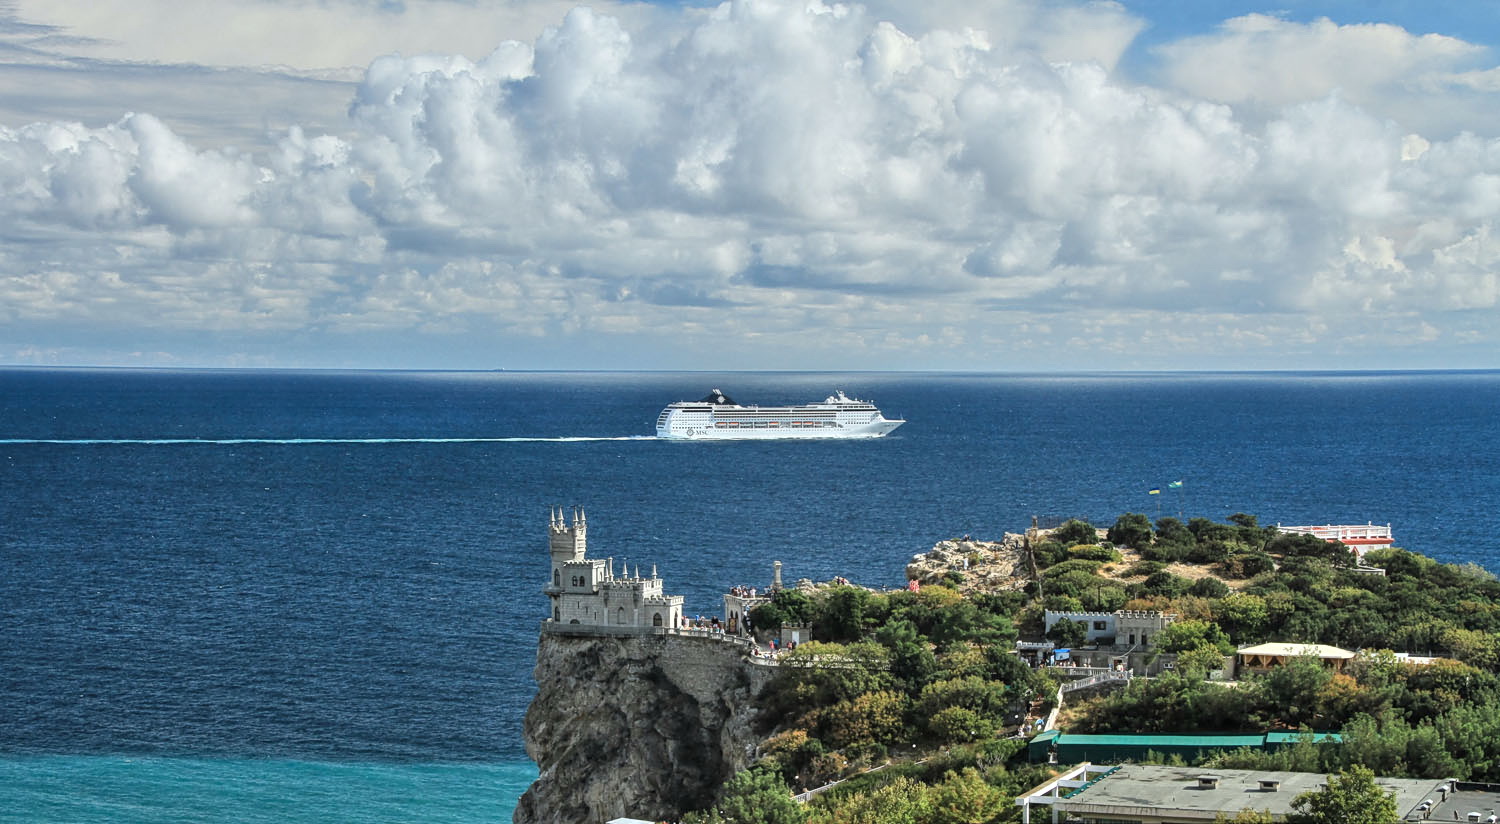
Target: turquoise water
[94, 789]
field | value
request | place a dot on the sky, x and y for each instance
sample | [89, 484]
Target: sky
[1007, 186]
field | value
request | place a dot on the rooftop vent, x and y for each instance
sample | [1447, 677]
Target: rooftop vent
[1270, 784]
[1208, 782]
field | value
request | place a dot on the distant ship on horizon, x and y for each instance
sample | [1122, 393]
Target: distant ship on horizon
[718, 417]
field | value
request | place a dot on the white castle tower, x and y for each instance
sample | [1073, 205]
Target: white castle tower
[585, 591]
[568, 543]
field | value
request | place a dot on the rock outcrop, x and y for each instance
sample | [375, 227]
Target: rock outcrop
[985, 566]
[644, 726]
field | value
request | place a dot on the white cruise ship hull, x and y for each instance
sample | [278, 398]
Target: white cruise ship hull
[716, 418]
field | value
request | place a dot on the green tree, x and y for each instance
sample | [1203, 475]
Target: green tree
[956, 725]
[754, 796]
[1352, 797]
[818, 674]
[1131, 529]
[1248, 564]
[789, 606]
[1473, 647]
[912, 662]
[1165, 583]
[1208, 587]
[790, 752]
[903, 801]
[875, 717]
[1181, 636]
[840, 614]
[1172, 531]
[1292, 692]
[1289, 545]
[966, 798]
[1075, 532]
[985, 697]
[1094, 552]
[1068, 633]
[1200, 660]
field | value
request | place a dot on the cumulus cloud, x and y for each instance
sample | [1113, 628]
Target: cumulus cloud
[922, 188]
[1428, 81]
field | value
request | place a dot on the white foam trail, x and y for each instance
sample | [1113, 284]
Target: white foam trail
[235, 441]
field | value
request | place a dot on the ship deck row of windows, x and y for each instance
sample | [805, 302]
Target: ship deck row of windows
[774, 424]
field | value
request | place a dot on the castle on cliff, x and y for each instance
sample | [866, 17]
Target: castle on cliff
[586, 591]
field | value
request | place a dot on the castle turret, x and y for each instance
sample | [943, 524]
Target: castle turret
[568, 543]
[586, 591]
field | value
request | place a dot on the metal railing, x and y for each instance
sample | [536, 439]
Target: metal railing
[1096, 680]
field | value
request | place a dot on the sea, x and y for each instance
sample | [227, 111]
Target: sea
[310, 596]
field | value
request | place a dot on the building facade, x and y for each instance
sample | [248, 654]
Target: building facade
[1360, 538]
[587, 591]
[1125, 628]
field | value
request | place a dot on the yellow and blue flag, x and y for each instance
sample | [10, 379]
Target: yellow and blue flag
[1175, 485]
[1156, 491]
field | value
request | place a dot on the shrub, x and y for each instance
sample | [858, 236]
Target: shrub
[1165, 583]
[1166, 553]
[1209, 588]
[1248, 564]
[1076, 565]
[1094, 552]
[1075, 532]
[958, 724]
[1048, 553]
[1131, 529]
[1145, 568]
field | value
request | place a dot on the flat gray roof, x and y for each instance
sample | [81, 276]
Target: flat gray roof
[1177, 793]
[1463, 802]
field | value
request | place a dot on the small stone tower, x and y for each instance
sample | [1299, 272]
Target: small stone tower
[568, 543]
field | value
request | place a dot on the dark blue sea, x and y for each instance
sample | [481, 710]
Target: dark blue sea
[270, 596]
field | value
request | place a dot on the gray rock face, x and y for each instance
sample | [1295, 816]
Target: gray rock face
[645, 727]
[985, 566]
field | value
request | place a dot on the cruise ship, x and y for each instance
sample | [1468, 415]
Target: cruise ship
[717, 417]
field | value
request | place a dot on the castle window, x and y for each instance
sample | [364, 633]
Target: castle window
[656, 620]
[620, 615]
[557, 613]
[1101, 625]
[556, 578]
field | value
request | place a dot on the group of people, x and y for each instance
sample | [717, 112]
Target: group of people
[711, 623]
[774, 649]
[743, 592]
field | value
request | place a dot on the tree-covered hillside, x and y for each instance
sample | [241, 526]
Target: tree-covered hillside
[926, 682]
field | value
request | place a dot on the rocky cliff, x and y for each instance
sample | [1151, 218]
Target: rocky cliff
[642, 726]
[982, 566]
